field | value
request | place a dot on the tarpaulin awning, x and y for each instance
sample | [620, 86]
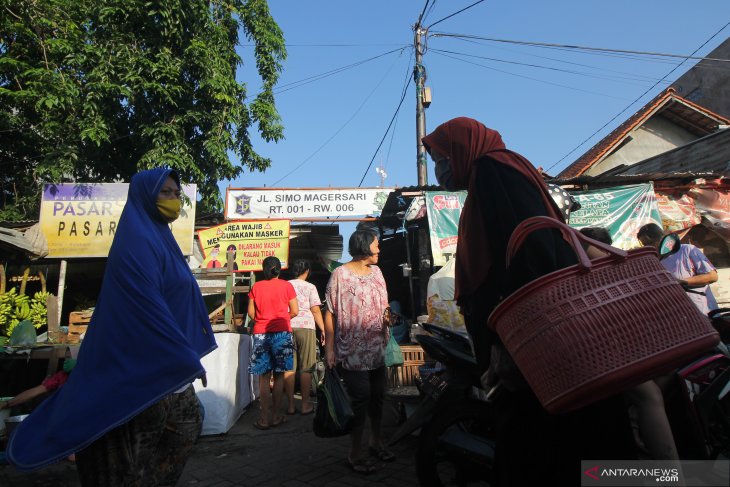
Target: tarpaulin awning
[31, 243]
[621, 210]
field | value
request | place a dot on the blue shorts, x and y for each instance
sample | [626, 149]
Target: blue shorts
[271, 351]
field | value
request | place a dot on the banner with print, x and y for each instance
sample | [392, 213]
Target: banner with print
[250, 241]
[444, 209]
[621, 210]
[678, 212]
[714, 205]
[304, 204]
[80, 220]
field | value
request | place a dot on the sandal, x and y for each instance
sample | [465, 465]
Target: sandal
[382, 453]
[360, 466]
[276, 422]
[260, 425]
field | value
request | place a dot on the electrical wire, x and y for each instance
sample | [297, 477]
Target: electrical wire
[395, 116]
[392, 133]
[423, 12]
[563, 61]
[390, 144]
[644, 59]
[332, 45]
[549, 68]
[400, 104]
[529, 77]
[428, 12]
[584, 48]
[455, 13]
[296, 84]
[705, 65]
[405, 85]
[637, 99]
[337, 132]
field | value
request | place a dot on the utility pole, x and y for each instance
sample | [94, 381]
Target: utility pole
[424, 266]
[419, 75]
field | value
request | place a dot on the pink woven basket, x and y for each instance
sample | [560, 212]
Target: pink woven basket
[589, 331]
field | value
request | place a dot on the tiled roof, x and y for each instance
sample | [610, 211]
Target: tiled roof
[679, 110]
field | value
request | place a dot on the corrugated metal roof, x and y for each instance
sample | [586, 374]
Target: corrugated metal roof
[310, 241]
[400, 199]
[708, 157]
[620, 179]
[15, 241]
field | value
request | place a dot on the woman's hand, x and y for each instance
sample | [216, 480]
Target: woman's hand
[485, 379]
[330, 353]
[329, 335]
[388, 317]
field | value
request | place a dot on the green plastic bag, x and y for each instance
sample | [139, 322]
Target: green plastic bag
[23, 335]
[393, 353]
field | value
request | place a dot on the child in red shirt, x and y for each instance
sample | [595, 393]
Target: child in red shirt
[272, 304]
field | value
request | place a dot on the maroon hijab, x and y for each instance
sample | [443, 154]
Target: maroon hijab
[466, 142]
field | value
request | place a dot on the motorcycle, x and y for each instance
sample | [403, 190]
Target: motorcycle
[457, 419]
[455, 415]
[697, 401]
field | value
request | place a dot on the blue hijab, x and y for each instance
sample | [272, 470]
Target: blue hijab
[148, 332]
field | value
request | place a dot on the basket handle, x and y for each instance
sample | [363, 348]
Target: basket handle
[573, 236]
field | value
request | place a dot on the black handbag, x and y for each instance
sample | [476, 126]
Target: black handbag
[334, 413]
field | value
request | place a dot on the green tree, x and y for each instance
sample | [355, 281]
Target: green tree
[94, 90]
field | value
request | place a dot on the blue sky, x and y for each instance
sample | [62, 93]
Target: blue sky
[334, 124]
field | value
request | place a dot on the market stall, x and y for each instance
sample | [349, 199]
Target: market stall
[229, 389]
[25, 367]
[695, 209]
[419, 228]
[79, 222]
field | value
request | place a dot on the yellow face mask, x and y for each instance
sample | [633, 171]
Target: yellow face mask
[169, 209]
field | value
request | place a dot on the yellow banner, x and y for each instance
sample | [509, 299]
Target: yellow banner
[251, 242]
[80, 220]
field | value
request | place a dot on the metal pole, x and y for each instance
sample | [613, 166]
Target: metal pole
[419, 74]
[422, 238]
[61, 288]
[228, 313]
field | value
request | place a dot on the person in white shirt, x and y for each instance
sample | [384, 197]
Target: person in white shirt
[304, 328]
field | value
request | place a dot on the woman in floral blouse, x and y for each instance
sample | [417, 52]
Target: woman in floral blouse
[356, 338]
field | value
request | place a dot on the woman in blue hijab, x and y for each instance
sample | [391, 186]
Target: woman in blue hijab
[129, 410]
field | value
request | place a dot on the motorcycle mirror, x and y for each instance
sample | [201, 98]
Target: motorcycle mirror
[669, 245]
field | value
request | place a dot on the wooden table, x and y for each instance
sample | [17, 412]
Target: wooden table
[51, 352]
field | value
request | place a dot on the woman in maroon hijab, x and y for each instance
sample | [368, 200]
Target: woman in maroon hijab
[504, 188]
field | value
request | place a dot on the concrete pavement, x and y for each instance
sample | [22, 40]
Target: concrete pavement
[288, 455]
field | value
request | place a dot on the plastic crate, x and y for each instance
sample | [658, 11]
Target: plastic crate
[429, 368]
